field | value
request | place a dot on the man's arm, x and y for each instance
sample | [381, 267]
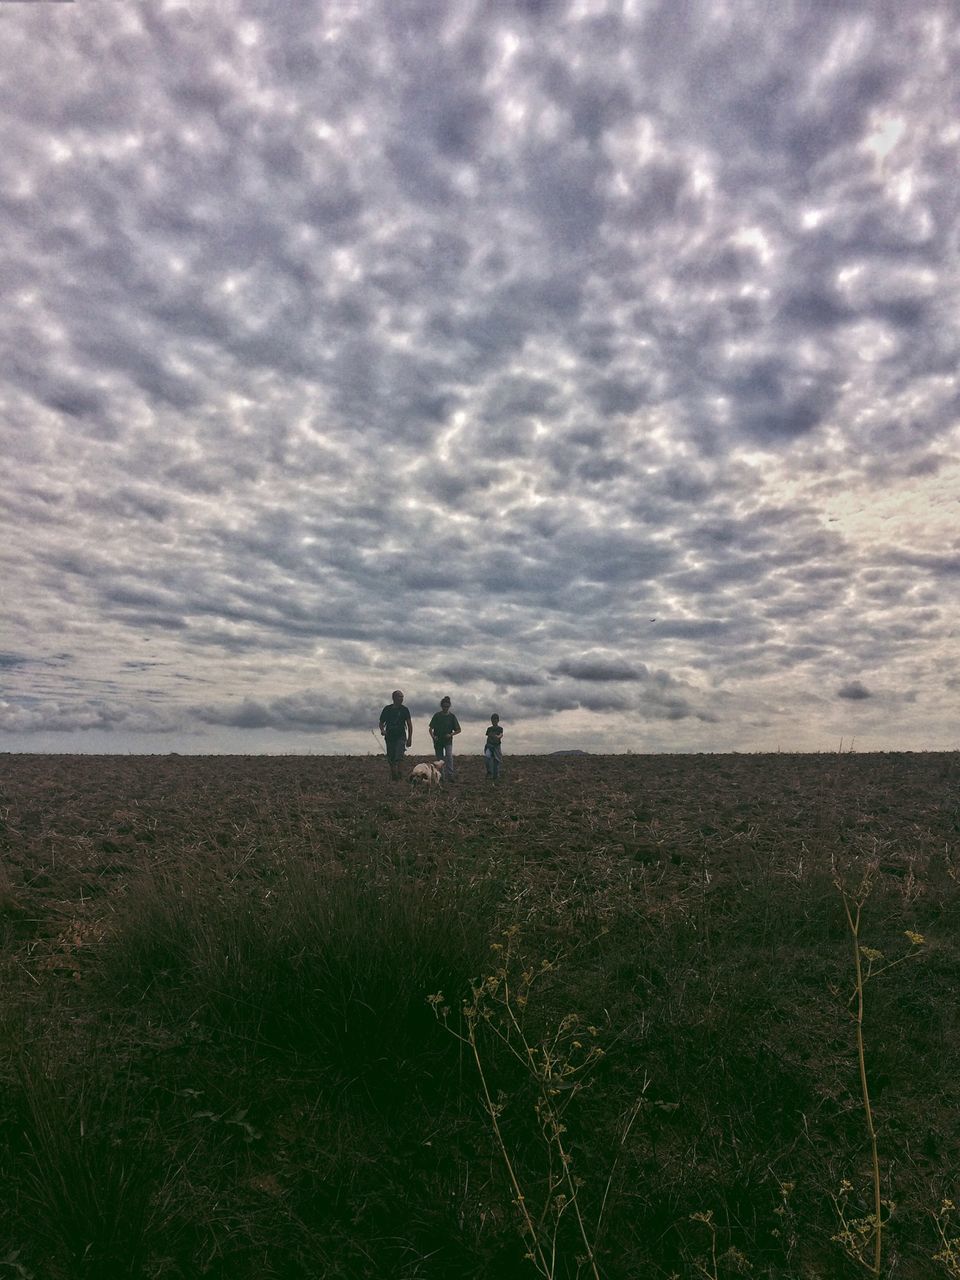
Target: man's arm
[409, 730]
[456, 725]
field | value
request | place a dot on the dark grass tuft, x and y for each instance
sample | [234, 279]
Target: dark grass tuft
[328, 966]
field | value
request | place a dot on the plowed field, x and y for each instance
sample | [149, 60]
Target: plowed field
[221, 1057]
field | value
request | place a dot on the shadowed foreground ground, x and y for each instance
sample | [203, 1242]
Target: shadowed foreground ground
[220, 1058]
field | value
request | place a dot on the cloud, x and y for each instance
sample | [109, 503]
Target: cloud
[600, 669]
[310, 710]
[490, 673]
[82, 715]
[854, 690]
[659, 700]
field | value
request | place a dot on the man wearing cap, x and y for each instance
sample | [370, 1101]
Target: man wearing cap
[396, 728]
[443, 727]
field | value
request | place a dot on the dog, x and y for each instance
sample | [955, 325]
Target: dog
[430, 773]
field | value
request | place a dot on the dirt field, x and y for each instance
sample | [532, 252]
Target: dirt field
[221, 1059]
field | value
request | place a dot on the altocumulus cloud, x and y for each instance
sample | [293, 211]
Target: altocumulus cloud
[595, 364]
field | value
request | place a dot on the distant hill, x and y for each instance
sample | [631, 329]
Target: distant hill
[568, 753]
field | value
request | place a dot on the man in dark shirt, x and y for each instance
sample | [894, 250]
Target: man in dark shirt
[396, 728]
[443, 727]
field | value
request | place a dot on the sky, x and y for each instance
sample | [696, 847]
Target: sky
[593, 362]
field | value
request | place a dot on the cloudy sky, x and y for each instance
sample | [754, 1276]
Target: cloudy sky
[592, 361]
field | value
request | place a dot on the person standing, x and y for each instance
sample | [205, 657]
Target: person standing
[492, 753]
[444, 726]
[396, 728]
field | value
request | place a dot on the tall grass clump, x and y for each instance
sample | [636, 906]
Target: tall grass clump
[288, 1073]
[318, 962]
[89, 1192]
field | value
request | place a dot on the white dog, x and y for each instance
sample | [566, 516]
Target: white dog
[430, 773]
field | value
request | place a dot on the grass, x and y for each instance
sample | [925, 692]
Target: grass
[84, 1182]
[221, 1059]
[317, 964]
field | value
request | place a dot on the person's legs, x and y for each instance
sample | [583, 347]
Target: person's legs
[395, 749]
[448, 770]
[488, 761]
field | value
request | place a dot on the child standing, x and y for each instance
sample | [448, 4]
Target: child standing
[492, 752]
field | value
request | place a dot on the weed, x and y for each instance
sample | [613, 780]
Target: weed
[948, 1230]
[555, 1068]
[732, 1260]
[861, 1237]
